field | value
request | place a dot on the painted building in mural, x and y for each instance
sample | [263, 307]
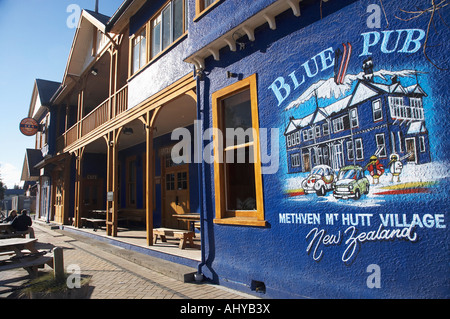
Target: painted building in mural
[388, 118]
[265, 123]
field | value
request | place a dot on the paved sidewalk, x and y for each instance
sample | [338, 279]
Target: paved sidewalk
[114, 277]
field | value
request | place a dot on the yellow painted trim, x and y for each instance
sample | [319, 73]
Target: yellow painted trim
[200, 11]
[241, 221]
[245, 218]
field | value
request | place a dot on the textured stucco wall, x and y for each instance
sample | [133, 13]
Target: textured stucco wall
[415, 266]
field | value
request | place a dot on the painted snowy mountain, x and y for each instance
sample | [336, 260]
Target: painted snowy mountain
[326, 89]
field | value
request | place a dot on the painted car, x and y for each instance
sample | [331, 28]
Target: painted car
[320, 180]
[351, 183]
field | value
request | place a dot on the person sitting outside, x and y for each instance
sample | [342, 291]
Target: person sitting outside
[10, 218]
[22, 223]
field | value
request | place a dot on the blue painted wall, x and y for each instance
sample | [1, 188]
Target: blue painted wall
[278, 255]
[139, 151]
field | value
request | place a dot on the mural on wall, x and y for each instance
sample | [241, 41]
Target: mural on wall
[358, 139]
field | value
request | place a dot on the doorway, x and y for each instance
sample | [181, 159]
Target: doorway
[59, 203]
[411, 149]
[92, 194]
[306, 163]
[175, 193]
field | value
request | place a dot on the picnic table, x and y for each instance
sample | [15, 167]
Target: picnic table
[6, 228]
[30, 261]
[191, 218]
[7, 231]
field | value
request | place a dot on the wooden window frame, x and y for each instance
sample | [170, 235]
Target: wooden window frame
[131, 50]
[149, 28]
[174, 40]
[237, 217]
[201, 10]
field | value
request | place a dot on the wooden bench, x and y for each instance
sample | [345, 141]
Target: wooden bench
[96, 222]
[31, 263]
[184, 236]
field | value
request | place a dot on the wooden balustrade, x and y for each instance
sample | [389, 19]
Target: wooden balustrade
[99, 116]
[96, 118]
[71, 135]
[121, 99]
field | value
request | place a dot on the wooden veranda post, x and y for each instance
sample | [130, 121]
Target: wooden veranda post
[150, 120]
[112, 181]
[66, 193]
[78, 187]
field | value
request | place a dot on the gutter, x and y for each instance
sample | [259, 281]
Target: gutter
[123, 7]
[201, 178]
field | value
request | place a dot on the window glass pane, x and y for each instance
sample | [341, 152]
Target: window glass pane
[240, 185]
[156, 36]
[177, 19]
[135, 56]
[182, 180]
[143, 53]
[237, 113]
[185, 16]
[166, 25]
[170, 182]
[207, 3]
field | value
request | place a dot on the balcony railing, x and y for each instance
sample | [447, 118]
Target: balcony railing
[107, 110]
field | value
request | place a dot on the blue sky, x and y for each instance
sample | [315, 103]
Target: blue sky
[35, 43]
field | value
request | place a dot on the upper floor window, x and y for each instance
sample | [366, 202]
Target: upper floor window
[317, 131]
[413, 111]
[354, 118]
[338, 124]
[202, 5]
[158, 34]
[376, 109]
[293, 139]
[139, 47]
[326, 129]
[168, 26]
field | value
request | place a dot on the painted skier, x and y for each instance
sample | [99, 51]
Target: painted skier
[375, 168]
[395, 167]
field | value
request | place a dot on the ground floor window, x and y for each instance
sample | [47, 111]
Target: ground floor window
[422, 143]
[295, 160]
[237, 163]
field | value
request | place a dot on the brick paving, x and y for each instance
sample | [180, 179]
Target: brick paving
[114, 277]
